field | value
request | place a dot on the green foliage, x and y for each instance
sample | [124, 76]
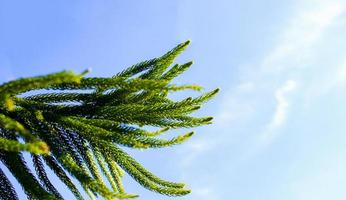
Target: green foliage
[77, 126]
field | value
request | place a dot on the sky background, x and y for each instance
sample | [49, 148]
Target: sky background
[279, 129]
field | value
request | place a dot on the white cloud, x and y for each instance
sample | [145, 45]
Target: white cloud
[282, 104]
[294, 51]
[296, 42]
[281, 111]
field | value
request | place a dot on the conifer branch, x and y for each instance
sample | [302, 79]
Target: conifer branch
[79, 125]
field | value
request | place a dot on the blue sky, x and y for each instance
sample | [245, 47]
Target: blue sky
[279, 130]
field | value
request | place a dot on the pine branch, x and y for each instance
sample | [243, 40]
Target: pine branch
[79, 126]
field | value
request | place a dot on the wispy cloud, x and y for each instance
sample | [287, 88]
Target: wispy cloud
[281, 110]
[285, 62]
[296, 42]
[282, 104]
